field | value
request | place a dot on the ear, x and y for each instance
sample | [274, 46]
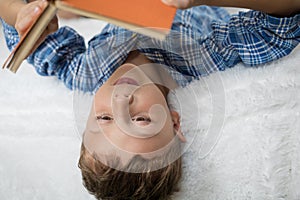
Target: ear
[176, 124]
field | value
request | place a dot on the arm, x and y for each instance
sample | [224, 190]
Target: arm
[63, 54]
[280, 8]
[251, 37]
[254, 38]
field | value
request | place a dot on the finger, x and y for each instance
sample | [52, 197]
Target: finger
[169, 2]
[24, 23]
[53, 25]
[181, 4]
[29, 15]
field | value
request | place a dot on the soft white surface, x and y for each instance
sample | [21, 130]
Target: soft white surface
[39, 144]
[256, 157]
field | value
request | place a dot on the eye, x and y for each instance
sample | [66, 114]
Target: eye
[104, 117]
[141, 119]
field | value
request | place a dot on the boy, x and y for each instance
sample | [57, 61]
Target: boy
[123, 103]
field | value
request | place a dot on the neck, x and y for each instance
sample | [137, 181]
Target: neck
[155, 72]
[137, 58]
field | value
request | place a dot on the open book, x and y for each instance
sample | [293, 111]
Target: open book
[149, 17]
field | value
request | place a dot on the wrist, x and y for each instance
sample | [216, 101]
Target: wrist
[280, 8]
[12, 9]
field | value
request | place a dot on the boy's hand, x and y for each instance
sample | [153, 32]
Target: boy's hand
[181, 4]
[184, 4]
[28, 15]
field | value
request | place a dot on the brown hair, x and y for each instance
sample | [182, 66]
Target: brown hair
[107, 183]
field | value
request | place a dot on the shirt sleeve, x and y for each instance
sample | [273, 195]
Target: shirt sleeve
[11, 35]
[252, 37]
[64, 54]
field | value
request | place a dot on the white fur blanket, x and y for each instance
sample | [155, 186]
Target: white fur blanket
[256, 156]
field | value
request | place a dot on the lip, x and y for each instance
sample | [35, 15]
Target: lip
[126, 80]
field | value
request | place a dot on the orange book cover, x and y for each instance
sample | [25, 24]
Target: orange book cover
[143, 13]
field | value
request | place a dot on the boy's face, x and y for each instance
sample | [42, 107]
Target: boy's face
[130, 85]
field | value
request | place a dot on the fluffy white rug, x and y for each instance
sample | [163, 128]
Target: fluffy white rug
[244, 142]
[257, 151]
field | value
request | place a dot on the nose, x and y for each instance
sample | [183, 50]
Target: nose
[129, 97]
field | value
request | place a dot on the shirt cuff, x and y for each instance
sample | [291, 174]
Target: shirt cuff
[284, 27]
[11, 35]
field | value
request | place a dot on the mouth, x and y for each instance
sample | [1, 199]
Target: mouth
[126, 80]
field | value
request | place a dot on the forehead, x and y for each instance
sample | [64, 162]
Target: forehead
[168, 153]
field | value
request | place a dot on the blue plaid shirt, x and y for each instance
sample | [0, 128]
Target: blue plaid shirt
[203, 40]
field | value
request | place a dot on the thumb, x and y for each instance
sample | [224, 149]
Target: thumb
[181, 4]
[28, 15]
[169, 2]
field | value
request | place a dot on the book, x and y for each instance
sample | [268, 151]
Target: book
[148, 17]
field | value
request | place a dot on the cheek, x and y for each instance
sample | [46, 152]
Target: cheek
[168, 129]
[151, 94]
[98, 143]
[102, 98]
[103, 91]
[92, 142]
